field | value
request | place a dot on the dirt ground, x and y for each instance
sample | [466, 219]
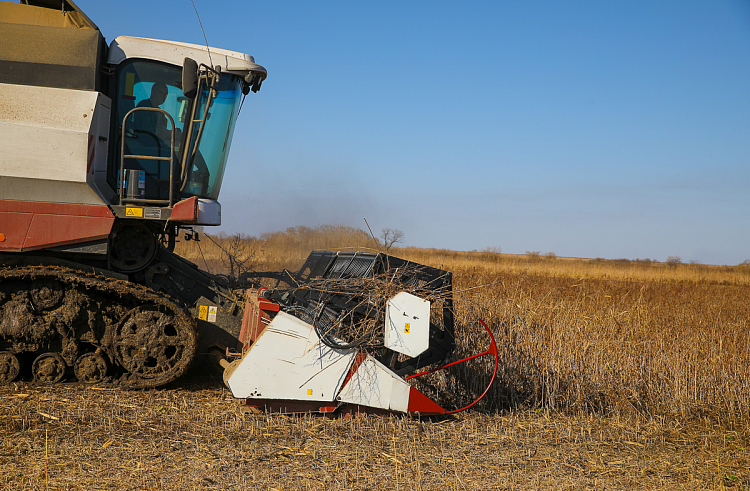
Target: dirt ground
[196, 436]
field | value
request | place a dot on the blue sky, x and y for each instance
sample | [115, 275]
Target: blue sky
[585, 128]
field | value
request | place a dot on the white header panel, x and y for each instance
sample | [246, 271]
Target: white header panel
[407, 324]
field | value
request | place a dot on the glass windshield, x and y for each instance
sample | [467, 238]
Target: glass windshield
[143, 84]
[148, 84]
[207, 170]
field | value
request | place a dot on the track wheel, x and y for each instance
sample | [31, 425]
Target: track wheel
[153, 345]
[9, 367]
[132, 246]
[90, 368]
[48, 368]
[47, 294]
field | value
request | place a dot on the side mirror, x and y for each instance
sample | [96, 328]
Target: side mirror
[189, 78]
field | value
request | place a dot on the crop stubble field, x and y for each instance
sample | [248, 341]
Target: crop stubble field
[613, 375]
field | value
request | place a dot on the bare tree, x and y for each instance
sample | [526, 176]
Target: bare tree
[237, 256]
[391, 237]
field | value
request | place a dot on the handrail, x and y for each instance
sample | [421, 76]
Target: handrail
[169, 159]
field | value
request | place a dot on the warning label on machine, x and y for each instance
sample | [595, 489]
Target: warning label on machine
[207, 313]
[152, 213]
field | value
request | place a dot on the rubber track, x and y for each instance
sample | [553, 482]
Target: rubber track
[98, 293]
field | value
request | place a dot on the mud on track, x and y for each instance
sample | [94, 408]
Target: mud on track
[103, 329]
[196, 436]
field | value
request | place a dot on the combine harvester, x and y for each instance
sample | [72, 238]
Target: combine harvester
[108, 153]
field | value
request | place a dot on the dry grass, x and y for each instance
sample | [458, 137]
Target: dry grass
[198, 437]
[595, 344]
[615, 269]
[613, 375]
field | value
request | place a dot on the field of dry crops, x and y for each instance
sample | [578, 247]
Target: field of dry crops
[613, 346]
[195, 436]
[613, 375]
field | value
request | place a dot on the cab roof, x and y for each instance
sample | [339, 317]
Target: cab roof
[174, 53]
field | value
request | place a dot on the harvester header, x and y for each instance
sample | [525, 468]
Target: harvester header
[345, 334]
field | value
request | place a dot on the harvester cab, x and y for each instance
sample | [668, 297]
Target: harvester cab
[138, 131]
[174, 114]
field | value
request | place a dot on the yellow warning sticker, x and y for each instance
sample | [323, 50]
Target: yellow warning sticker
[406, 327]
[212, 314]
[134, 212]
[202, 312]
[309, 392]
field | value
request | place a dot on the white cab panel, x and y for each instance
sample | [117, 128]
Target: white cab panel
[209, 212]
[53, 134]
[174, 53]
